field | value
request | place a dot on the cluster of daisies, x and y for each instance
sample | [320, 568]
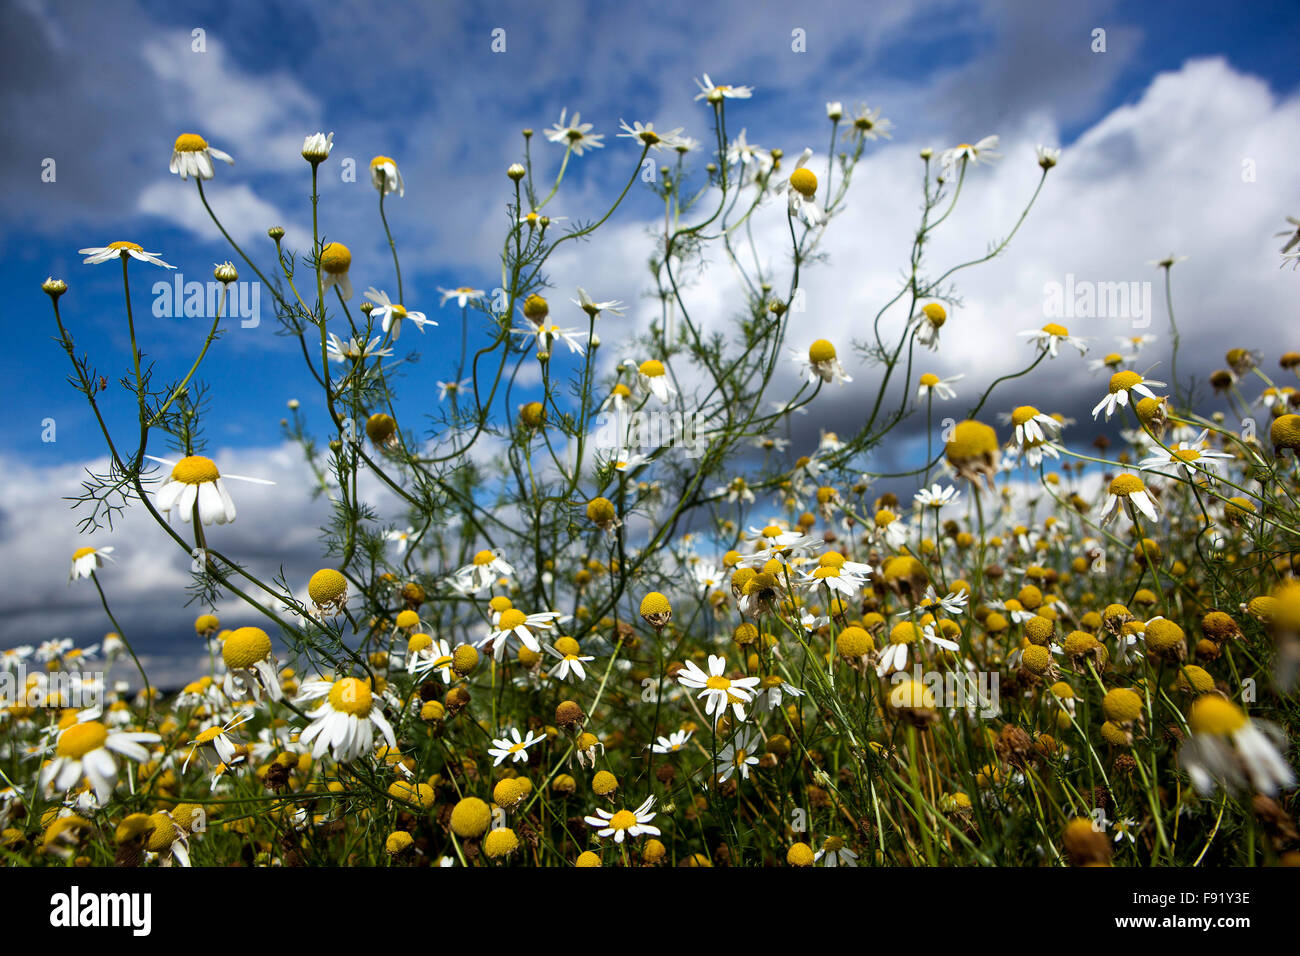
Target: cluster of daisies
[995, 661]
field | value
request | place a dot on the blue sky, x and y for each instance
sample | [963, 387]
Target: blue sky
[1155, 131]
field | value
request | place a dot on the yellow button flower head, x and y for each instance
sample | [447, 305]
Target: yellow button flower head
[470, 818]
[335, 261]
[328, 590]
[972, 449]
[655, 609]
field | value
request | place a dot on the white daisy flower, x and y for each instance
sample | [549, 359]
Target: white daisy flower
[84, 750]
[569, 668]
[819, 363]
[481, 573]
[653, 378]
[218, 738]
[335, 264]
[120, 250]
[834, 853]
[672, 743]
[1050, 337]
[574, 134]
[983, 151]
[1121, 385]
[524, 627]
[1228, 749]
[317, 147]
[740, 753]
[940, 388]
[594, 308]
[869, 124]
[345, 722]
[386, 177]
[625, 824]
[463, 295]
[648, 136]
[401, 538]
[801, 191]
[936, 496]
[716, 688]
[426, 654]
[192, 156]
[392, 314]
[195, 480]
[516, 750]
[354, 351]
[1190, 457]
[85, 561]
[716, 92]
[451, 388]
[548, 334]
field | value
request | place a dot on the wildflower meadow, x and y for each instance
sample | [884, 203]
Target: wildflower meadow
[609, 595]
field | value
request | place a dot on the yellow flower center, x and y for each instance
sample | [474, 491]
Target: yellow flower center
[936, 313]
[804, 181]
[81, 553]
[718, 683]
[1023, 414]
[652, 368]
[821, 350]
[381, 161]
[623, 820]
[190, 143]
[1052, 328]
[1186, 454]
[1123, 381]
[133, 246]
[1215, 715]
[209, 735]
[929, 380]
[512, 618]
[336, 258]
[351, 696]
[80, 739]
[484, 557]
[245, 647]
[195, 470]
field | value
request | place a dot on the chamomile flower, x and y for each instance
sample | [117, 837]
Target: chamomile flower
[85, 561]
[353, 350]
[345, 722]
[653, 378]
[85, 749]
[250, 667]
[574, 134]
[716, 92]
[834, 853]
[594, 308]
[801, 192]
[401, 538]
[672, 743]
[484, 571]
[953, 603]
[718, 690]
[929, 321]
[1226, 748]
[936, 496]
[740, 753]
[386, 177]
[983, 151]
[192, 156]
[1191, 458]
[648, 136]
[566, 651]
[869, 124]
[195, 481]
[463, 295]
[427, 655]
[516, 750]
[218, 738]
[316, 148]
[1118, 393]
[625, 824]
[335, 262]
[820, 364]
[451, 388]
[547, 334]
[392, 314]
[1051, 336]
[1047, 156]
[121, 250]
[1129, 491]
[524, 627]
[940, 388]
